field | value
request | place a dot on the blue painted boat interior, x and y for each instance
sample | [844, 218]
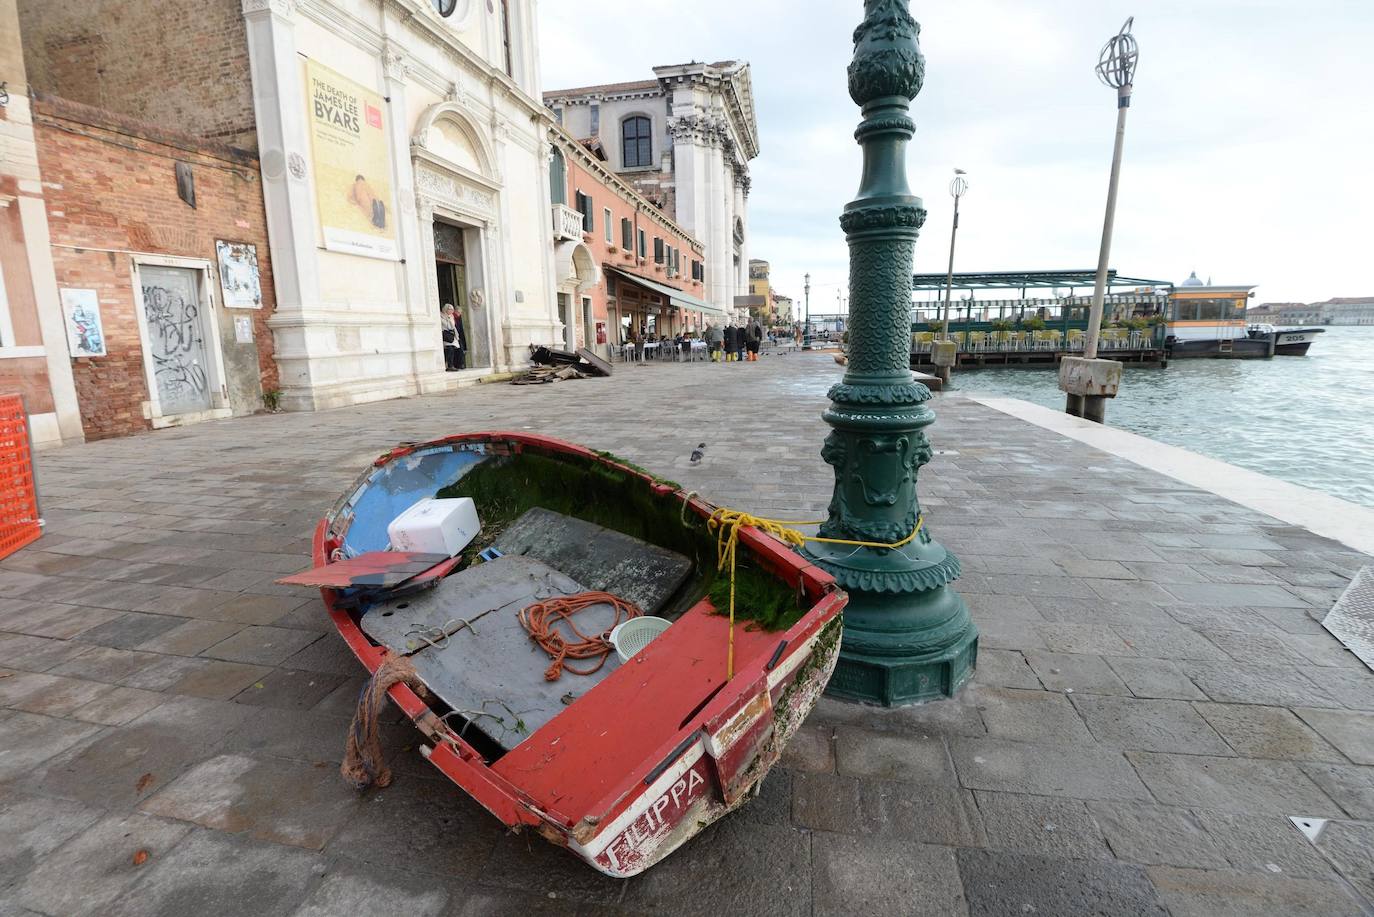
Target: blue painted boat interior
[397, 486]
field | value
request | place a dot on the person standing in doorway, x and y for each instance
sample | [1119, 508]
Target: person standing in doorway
[455, 340]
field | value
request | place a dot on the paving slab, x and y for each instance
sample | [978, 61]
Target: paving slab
[777, 861]
[1242, 683]
[36, 654]
[1149, 725]
[1351, 732]
[1267, 732]
[811, 748]
[1232, 784]
[1029, 716]
[94, 871]
[1073, 673]
[1042, 825]
[885, 756]
[1045, 770]
[289, 689]
[107, 664]
[258, 645]
[118, 706]
[1004, 669]
[1350, 846]
[923, 721]
[1213, 893]
[527, 863]
[879, 877]
[1350, 785]
[923, 813]
[129, 630]
[280, 801]
[189, 638]
[998, 883]
[356, 889]
[27, 740]
[446, 833]
[1170, 641]
[32, 827]
[1157, 835]
[53, 695]
[224, 875]
[1154, 678]
[1267, 844]
[131, 762]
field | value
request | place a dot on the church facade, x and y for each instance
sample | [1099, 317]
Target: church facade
[403, 158]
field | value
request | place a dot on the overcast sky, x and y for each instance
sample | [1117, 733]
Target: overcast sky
[1249, 144]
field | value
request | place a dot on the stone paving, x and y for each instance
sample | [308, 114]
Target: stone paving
[1153, 700]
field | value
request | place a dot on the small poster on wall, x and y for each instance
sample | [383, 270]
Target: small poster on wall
[238, 274]
[81, 311]
[243, 329]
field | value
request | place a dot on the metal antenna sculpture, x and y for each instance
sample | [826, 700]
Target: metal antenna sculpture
[1116, 63]
[907, 634]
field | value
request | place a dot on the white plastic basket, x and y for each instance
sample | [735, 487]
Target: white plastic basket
[629, 637]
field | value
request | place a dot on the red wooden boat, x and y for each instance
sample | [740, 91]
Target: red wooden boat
[624, 765]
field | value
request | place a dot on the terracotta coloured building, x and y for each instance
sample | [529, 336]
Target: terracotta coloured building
[620, 262]
[684, 139]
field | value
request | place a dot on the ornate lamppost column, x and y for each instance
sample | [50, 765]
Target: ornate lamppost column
[907, 634]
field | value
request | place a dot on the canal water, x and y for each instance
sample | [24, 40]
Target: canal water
[1308, 420]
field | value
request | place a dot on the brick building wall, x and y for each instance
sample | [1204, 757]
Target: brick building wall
[111, 195]
[182, 64]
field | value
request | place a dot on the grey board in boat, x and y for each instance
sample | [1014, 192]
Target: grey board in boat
[465, 638]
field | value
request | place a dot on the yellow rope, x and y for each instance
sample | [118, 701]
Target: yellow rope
[726, 523]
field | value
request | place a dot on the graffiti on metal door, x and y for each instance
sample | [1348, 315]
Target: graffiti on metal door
[176, 339]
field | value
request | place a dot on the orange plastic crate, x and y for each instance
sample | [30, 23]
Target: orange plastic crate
[18, 499]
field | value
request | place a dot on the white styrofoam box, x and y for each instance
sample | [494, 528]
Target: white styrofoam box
[435, 526]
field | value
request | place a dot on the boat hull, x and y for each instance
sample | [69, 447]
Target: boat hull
[704, 768]
[1295, 342]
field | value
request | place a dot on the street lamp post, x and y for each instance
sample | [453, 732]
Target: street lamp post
[908, 636]
[1087, 381]
[806, 321]
[958, 187]
[943, 354]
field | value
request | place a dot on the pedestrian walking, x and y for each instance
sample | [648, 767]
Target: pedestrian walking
[714, 340]
[753, 338]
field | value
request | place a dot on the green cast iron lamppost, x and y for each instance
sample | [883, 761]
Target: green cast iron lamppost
[907, 634]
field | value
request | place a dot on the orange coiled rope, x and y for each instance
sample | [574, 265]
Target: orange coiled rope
[541, 619]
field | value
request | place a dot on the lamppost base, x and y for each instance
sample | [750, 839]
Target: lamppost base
[905, 650]
[1087, 385]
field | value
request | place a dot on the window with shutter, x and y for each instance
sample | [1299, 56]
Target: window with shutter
[558, 177]
[643, 246]
[627, 234]
[658, 250]
[588, 214]
[610, 226]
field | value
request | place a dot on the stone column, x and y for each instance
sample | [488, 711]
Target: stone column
[422, 324]
[907, 635]
[284, 150]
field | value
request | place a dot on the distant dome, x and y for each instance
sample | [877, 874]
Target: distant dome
[1192, 281]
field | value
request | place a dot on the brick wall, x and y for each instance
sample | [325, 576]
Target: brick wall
[182, 64]
[111, 192]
